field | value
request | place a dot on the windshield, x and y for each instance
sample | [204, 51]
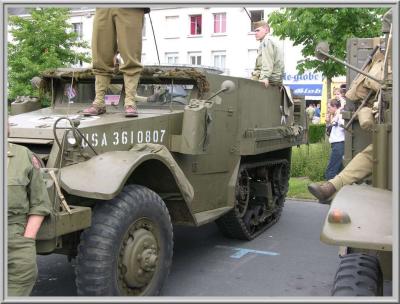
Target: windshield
[147, 94]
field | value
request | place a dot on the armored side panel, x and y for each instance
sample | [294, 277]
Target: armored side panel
[265, 117]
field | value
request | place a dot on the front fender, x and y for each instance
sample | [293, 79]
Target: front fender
[103, 176]
[370, 215]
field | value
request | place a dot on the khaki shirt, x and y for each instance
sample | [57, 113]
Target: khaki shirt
[269, 62]
[27, 192]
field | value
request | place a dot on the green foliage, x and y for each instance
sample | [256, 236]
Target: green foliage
[42, 41]
[298, 188]
[308, 26]
[316, 133]
[310, 161]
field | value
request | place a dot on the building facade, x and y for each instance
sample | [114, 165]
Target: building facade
[220, 37]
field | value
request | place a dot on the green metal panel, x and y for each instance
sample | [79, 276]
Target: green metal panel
[64, 223]
[207, 143]
[368, 228]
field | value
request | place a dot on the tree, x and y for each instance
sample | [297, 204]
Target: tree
[308, 26]
[41, 41]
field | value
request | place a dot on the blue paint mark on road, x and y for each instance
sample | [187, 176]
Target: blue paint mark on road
[240, 252]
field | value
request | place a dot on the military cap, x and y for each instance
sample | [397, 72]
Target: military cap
[260, 23]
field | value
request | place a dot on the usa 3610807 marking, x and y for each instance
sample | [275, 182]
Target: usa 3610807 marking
[116, 138]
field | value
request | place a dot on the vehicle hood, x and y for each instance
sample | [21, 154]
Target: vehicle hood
[38, 124]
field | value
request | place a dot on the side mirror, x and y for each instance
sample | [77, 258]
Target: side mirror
[228, 86]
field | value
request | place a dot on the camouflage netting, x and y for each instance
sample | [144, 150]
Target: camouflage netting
[196, 75]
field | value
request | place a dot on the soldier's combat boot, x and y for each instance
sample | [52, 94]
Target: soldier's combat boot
[131, 82]
[323, 192]
[98, 106]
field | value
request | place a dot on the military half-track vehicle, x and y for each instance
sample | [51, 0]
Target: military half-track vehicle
[360, 216]
[205, 147]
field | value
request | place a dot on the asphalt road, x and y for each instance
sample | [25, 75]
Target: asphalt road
[287, 260]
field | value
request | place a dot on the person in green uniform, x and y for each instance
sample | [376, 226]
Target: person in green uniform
[116, 29]
[28, 204]
[269, 67]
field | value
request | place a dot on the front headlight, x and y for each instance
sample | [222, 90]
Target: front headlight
[71, 138]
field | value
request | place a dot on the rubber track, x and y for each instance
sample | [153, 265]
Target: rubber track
[232, 226]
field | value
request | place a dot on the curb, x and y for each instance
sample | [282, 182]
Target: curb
[302, 199]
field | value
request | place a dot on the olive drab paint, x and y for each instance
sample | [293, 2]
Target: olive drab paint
[219, 153]
[368, 152]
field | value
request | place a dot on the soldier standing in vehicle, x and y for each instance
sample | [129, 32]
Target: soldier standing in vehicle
[269, 65]
[116, 29]
[28, 204]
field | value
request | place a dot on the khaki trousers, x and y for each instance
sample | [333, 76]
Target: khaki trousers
[356, 170]
[118, 29]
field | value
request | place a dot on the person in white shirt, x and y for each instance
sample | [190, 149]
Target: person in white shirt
[336, 139]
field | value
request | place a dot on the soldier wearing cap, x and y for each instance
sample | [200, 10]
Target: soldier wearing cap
[269, 65]
[116, 29]
[28, 204]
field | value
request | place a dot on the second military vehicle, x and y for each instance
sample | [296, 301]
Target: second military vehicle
[360, 216]
[205, 147]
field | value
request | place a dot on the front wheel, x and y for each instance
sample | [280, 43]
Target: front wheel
[358, 275]
[128, 249]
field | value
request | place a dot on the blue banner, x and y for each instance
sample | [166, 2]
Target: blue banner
[306, 89]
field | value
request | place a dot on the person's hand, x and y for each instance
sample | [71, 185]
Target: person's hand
[266, 82]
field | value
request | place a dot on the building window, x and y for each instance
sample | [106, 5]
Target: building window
[172, 58]
[195, 58]
[251, 61]
[195, 25]
[219, 58]
[172, 26]
[256, 16]
[78, 29]
[220, 23]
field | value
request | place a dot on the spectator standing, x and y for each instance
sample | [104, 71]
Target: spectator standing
[336, 139]
[310, 112]
[317, 114]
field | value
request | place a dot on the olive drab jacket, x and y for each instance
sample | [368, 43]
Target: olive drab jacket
[27, 193]
[269, 62]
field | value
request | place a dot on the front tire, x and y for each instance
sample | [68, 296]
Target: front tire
[128, 249]
[358, 275]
